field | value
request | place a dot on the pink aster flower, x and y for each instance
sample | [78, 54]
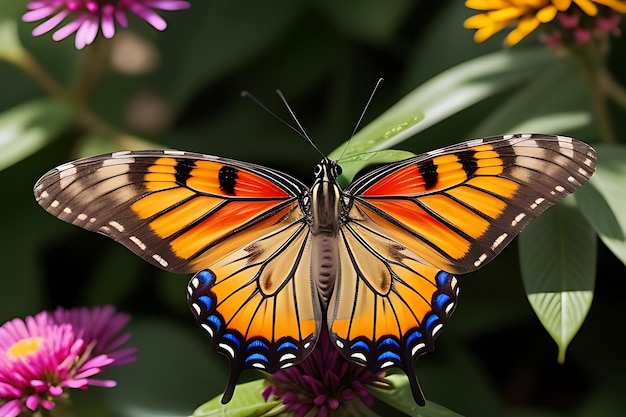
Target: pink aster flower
[323, 382]
[42, 356]
[86, 17]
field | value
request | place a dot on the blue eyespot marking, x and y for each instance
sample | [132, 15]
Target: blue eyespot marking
[442, 300]
[206, 276]
[287, 345]
[215, 320]
[442, 278]
[430, 321]
[385, 356]
[257, 357]
[388, 342]
[206, 300]
[258, 344]
[232, 338]
[360, 345]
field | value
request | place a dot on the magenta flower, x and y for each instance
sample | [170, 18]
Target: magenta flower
[85, 17]
[42, 356]
[323, 382]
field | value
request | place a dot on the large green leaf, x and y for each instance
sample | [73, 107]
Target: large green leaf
[444, 95]
[400, 397]
[29, 127]
[558, 263]
[246, 402]
[603, 199]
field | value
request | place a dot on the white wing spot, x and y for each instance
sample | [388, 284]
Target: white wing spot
[499, 241]
[437, 329]
[258, 365]
[119, 154]
[588, 162]
[453, 282]
[287, 365]
[196, 308]
[67, 210]
[228, 349]
[474, 142]
[105, 229]
[173, 152]
[55, 204]
[508, 136]
[359, 356]
[340, 344]
[208, 329]
[583, 172]
[117, 226]
[537, 202]
[571, 179]
[44, 194]
[559, 188]
[287, 357]
[526, 136]
[81, 217]
[137, 242]
[195, 282]
[92, 220]
[518, 219]
[480, 260]
[417, 348]
[449, 308]
[160, 260]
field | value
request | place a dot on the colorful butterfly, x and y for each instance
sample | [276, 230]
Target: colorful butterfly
[275, 261]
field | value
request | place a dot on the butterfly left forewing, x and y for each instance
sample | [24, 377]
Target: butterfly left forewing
[169, 207]
[458, 207]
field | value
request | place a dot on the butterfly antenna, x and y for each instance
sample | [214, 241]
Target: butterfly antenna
[301, 133]
[293, 115]
[358, 123]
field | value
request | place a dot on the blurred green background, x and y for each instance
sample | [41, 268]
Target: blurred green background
[183, 92]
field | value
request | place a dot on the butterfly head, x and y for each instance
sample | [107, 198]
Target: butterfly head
[327, 171]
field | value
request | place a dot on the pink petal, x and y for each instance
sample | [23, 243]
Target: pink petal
[49, 24]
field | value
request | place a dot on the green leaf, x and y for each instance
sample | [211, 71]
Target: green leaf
[444, 95]
[558, 263]
[352, 165]
[29, 127]
[246, 402]
[603, 199]
[401, 398]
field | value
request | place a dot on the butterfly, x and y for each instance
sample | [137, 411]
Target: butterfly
[277, 262]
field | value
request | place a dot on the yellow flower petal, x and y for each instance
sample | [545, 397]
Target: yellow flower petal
[488, 31]
[525, 26]
[507, 14]
[547, 14]
[587, 6]
[562, 5]
[477, 21]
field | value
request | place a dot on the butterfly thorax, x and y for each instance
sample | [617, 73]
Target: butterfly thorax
[324, 225]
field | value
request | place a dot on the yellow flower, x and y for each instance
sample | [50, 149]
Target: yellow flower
[527, 15]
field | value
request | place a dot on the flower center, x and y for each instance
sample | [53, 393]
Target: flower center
[24, 347]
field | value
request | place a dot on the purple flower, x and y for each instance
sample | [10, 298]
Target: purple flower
[323, 382]
[85, 17]
[42, 356]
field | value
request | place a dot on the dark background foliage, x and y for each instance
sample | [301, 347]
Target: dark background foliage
[495, 358]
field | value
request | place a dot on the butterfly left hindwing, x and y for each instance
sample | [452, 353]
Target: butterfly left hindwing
[276, 263]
